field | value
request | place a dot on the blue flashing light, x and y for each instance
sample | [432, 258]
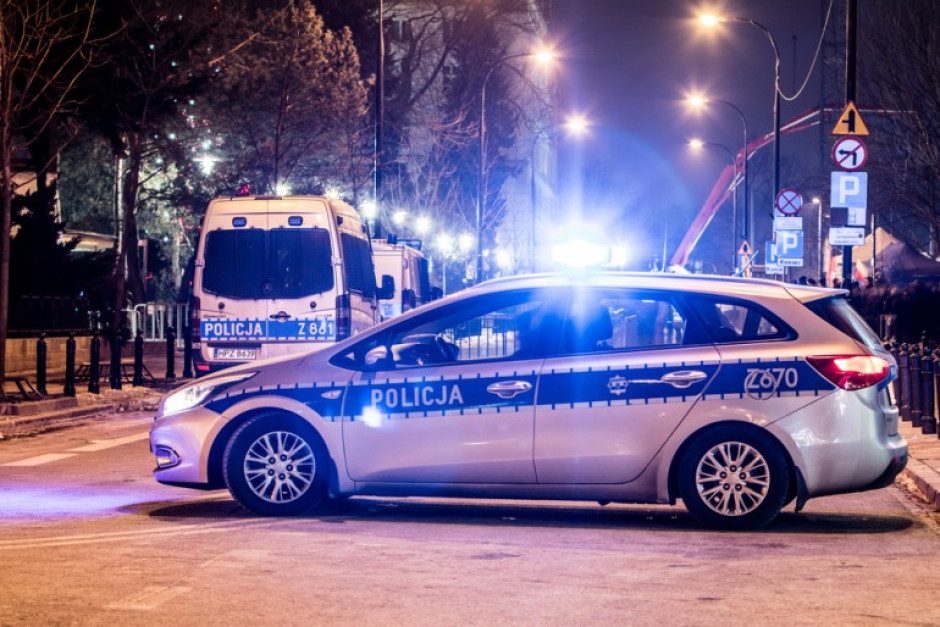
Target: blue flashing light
[239, 222]
[295, 220]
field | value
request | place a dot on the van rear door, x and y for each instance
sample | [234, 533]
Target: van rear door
[302, 283]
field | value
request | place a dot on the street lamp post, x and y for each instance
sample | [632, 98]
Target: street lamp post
[698, 101]
[711, 20]
[543, 56]
[698, 144]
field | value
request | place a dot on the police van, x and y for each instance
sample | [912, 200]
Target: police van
[277, 274]
[406, 264]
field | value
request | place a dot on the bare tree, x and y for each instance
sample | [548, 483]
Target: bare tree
[903, 49]
[44, 48]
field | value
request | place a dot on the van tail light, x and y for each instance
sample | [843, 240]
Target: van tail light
[343, 317]
[194, 306]
[408, 300]
[852, 372]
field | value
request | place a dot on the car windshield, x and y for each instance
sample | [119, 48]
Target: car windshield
[276, 264]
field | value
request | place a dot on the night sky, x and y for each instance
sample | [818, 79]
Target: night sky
[627, 65]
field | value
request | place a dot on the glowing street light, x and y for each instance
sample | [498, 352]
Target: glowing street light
[577, 124]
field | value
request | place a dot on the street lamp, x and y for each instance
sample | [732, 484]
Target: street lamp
[714, 20]
[698, 144]
[543, 56]
[698, 102]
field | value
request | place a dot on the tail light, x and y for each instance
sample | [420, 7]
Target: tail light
[343, 317]
[194, 306]
[852, 372]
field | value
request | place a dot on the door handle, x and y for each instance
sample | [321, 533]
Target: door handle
[683, 378]
[281, 316]
[508, 389]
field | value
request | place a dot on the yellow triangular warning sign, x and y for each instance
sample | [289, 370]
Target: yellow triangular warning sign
[850, 122]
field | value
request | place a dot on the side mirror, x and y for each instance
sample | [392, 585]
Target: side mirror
[436, 293]
[387, 290]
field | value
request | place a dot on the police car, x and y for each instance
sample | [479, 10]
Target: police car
[737, 396]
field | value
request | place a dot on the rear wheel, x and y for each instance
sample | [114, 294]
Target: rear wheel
[276, 465]
[733, 478]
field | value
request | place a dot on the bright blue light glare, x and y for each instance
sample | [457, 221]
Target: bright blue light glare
[239, 222]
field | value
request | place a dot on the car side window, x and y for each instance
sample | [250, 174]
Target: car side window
[605, 321]
[736, 321]
[504, 326]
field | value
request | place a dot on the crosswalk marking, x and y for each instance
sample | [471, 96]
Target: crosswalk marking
[94, 447]
[40, 459]
[100, 445]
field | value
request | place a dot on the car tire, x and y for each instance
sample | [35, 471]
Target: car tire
[734, 478]
[276, 465]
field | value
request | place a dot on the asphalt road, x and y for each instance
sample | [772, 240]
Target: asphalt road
[87, 537]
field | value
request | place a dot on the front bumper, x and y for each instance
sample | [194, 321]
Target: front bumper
[182, 445]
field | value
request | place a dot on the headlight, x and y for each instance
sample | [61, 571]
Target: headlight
[197, 393]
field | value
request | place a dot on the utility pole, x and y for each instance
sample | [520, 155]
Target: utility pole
[379, 122]
[851, 57]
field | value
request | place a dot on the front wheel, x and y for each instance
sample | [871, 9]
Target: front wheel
[731, 478]
[276, 465]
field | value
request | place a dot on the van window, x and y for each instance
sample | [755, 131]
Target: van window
[232, 267]
[297, 263]
[357, 257]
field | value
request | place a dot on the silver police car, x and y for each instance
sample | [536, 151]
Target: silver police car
[736, 396]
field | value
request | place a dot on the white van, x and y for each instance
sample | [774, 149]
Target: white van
[277, 274]
[409, 270]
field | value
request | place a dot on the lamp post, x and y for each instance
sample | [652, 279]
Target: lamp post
[712, 20]
[698, 144]
[819, 236]
[543, 56]
[701, 101]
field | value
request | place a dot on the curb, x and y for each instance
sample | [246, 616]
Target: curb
[22, 425]
[925, 479]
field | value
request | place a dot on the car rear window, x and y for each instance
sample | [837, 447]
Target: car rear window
[731, 320]
[837, 311]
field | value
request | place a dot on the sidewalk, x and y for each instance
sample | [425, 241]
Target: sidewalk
[923, 466]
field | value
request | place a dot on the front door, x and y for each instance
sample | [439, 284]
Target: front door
[448, 397]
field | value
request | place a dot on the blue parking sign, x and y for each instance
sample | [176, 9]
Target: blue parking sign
[849, 189]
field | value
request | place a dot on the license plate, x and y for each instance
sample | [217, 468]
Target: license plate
[235, 354]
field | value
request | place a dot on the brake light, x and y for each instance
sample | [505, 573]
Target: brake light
[852, 372]
[194, 306]
[343, 317]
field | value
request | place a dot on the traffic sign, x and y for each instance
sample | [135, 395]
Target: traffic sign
[847, 236]
[849, 153]
[784, 223]
[850, 122]
[847, 216]
[788, 202]
[849, 189]
[770, 263]
[789, 247]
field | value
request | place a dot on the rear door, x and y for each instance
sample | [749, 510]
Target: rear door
[301, 283]
[228, 280]
[630, 367]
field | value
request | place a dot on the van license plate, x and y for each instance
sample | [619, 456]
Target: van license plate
[236, 354]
